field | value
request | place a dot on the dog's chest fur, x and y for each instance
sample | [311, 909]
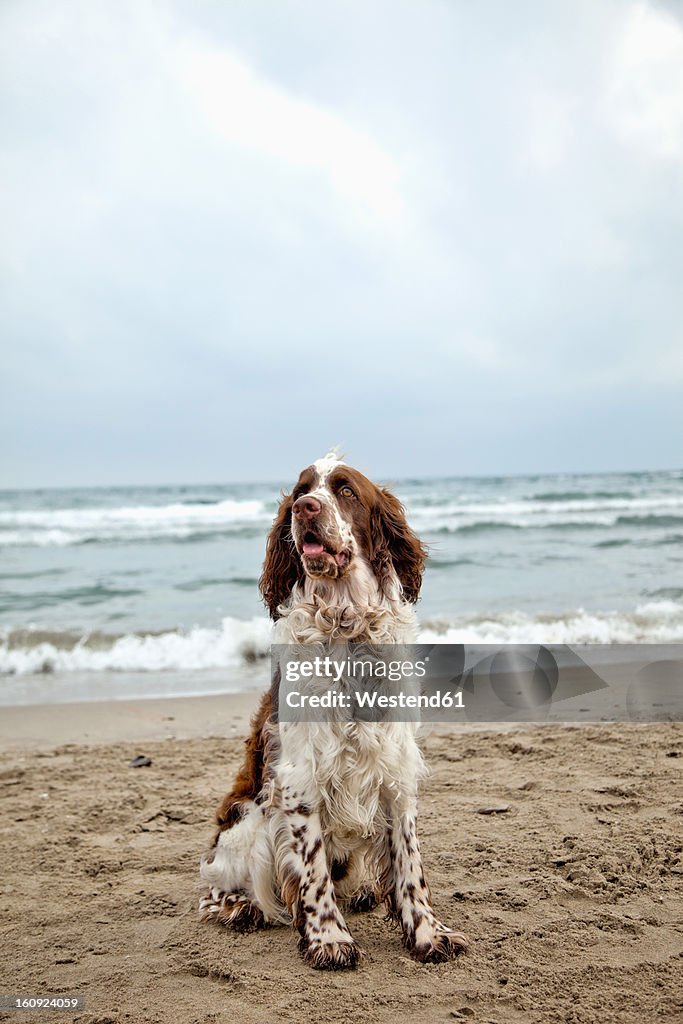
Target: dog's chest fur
[349, 767]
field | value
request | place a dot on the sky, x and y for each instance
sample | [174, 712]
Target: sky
[446, 236]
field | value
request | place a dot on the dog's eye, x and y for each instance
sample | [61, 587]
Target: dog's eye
[346, 492]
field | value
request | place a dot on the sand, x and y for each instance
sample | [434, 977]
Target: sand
[571, 897]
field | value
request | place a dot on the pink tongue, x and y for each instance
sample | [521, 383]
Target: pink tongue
[313, 549]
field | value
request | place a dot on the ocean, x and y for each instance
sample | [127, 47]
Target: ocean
[144, 591]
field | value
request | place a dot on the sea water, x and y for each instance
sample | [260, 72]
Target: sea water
[135, 591]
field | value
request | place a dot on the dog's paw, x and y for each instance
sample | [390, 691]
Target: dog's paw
[362, 901]
[442, 945]
[232, 910]
[330, 956]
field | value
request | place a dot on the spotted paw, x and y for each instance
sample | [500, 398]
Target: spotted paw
[443, 945]
[331, 956]
[232, 910]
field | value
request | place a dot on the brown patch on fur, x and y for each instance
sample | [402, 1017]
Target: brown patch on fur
[242, 916]
[320, 891]
[282, 567]
[312, 852]
[394, 543]
[252, 775]
[363, 901]
[382, 531]
[339, 869]
[290, 890]
[303, 810]
[384, 869]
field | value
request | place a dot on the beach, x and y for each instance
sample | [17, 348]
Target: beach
[131, 625]
[556, 848]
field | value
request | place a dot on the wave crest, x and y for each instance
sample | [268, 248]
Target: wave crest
[653, 622]
[179, 521]
[234, 643]
[237, 643]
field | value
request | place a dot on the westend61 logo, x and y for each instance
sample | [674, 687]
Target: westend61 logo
[349, 684]
[478, 682]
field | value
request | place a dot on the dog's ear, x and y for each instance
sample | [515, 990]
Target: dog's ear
[395, 546]
[282, 567]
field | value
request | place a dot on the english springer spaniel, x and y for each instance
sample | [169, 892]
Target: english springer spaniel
[322, 815]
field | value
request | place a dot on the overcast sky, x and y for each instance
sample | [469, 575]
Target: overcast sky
[446, 235]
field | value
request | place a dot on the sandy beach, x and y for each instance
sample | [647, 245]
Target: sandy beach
[571, 896]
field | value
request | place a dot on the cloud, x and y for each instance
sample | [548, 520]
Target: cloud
[645, 89]
[248, 111]
[230, 238]
[551, 130]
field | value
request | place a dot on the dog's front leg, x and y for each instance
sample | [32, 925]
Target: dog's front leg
[408, 895]
[306, 886]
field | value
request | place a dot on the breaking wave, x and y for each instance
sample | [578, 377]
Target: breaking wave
[237, 643]
[432, 512]
[653, 622]
[234, 643]
[179, 521]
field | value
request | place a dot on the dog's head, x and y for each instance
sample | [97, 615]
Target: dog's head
[333, 522]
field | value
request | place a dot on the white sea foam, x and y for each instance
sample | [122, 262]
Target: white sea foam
[237, 642]
[234, 643]
[453, 516]
[654, 622]
[429, 513]
[60, 527]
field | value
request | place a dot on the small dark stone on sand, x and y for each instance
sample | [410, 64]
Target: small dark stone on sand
[141, 761]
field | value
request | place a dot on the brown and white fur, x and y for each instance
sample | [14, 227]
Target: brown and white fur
[322, 815]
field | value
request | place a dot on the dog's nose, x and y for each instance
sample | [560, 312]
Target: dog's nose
[306, 507]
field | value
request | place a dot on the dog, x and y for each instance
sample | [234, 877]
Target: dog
[322, 815]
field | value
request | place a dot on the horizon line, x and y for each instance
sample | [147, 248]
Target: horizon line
[382, 478]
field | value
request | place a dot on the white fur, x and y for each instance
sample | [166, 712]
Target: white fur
[243, 862]
[327, 464]
[350, 772]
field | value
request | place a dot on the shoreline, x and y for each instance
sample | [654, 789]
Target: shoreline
[91, 723]
[35, 728]
[611, 690]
